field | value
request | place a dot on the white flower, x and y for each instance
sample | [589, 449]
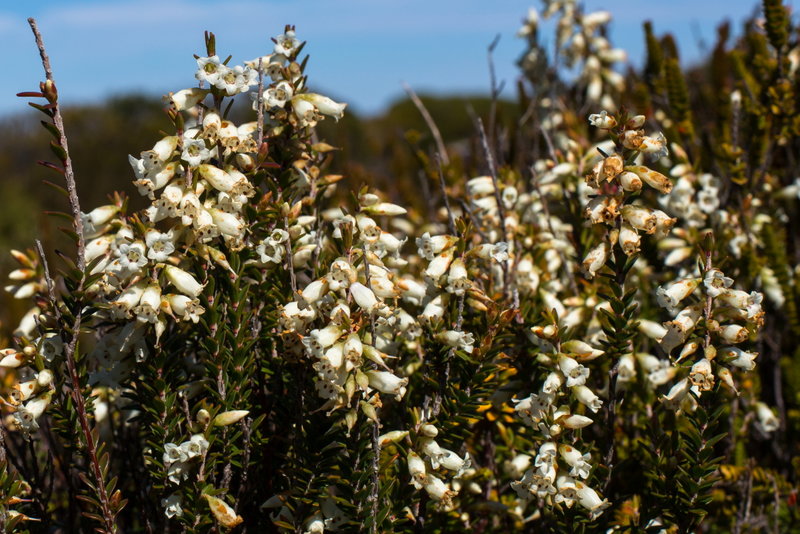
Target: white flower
[437, 489]
[457, 339]
[172, 505]
[183, 281]
[228, 224]
[27, 414]
[315, 524]
[670, 295]
[51, 346]
[177, 472]
[428, 247]
[676, 394]
[546, 457]
[416, 468]
[364, 297]
[656, 146]
[575, 373]
[209, 69]
[195, 152]
[278, 96]
[579, 462]
[701, 375]
[325, 105]
[553, 383]
[196, 446]
[149, 304]
[532, 409]
[131, 257]
[320, 339]
[739, 358]
[596, 258]
[567, 491]
[235, 80]
[305, 111]
[287, 44]
[186, 98]
[716, 282]
[174, 453]
[602, 120]
[453, 462]
[587, 397]
[589, 499]
[532, 485]
[186, 307]
[270, 252]
[457, 279]
[576, 421]
[767, 422]
[159, 245]
[387, 382]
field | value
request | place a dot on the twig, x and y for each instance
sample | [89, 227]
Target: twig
[501, 210]
[450, 221]
[51, 290]
[495, 89]
[69, 174]
[70, 348]
[374, 493]
[3, 516]
[426, 116]
[493, 172]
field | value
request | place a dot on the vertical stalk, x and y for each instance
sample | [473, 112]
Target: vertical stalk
[70, 347]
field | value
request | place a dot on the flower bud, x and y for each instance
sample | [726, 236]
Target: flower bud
[596, 258]
[203, 417]
[11, 359]
[230, 417]
[387, 382]
[222, 512]
[653, 178]
[183, 281]
[395, 436]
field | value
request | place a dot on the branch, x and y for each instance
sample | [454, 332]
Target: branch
[450, 221]
[69, 174]
[70, 348]
[426, 116]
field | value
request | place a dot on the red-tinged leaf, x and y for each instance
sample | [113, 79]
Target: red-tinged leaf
[51, 166]
[44, 109]
[270, 165]
[30, 94]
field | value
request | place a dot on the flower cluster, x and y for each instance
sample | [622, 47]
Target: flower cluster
[729, 317]
[343, 361]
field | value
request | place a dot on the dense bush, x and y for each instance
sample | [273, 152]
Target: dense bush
[579, 324]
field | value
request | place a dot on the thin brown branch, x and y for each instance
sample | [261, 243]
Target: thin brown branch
[71, 346]
[450, 221]
[426, 116]
[501, 210]
[69, 174]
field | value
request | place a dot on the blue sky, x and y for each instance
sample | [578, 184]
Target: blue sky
[361, 50]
